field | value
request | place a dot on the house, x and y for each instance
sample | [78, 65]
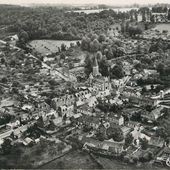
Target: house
[77, 71]
[28, 141]
[63, 100]
[13, 124]
[93, 122]
[137, 134]
[160, 17]
[115, 147]
[82, 97]
[25, 118]
[156, 141]
[27, 107]
[43, 106]
[86, 110]
[125, 130]
[164, 156]
[66, 110]
[133, 124]
[143, 101]
[130, 112]
[92, 102]
[1, 142]
[43, 121]
[107, 146]
[154, 114]
[116, 119]
[57, 121]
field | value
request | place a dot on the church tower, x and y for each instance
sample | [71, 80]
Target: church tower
[95, 67]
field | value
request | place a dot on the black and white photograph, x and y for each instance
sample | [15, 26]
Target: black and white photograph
[85, 84]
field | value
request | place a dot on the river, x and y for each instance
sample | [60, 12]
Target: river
[88, 11]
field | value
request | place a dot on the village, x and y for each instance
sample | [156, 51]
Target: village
[53, 103]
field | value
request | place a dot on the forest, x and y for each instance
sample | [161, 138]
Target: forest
[56, 23]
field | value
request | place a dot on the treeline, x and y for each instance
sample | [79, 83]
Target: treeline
[104, 49]
[54, 23]
[159, 9]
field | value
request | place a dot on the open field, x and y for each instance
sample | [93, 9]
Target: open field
[162, 27]
[73, 160]
[49, 46]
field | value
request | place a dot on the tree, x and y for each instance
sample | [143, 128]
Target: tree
[23, 36]
[88, 65]
[144, 143]
[99, 56]
[117, 72]
[94, 45]
[6, 146]
[134, 30]
[101, 38]
[4, 80]
[128, 140]
[138, 66]
[60, 165]
[169, 14]
[152, 87]
[15, 90]
[85, 43]
[160, 68]
[16, 84]
[3, 61]
[63, 47]
[104, 68]
[144, 90]
[62, 56]
[94, 36]
[115, 133]
[161, 132]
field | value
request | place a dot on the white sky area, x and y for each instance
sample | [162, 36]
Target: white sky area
[110, 2]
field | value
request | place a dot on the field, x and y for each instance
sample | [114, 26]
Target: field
[73, 160]
[49, 46]
[162, 27]
[82, 160]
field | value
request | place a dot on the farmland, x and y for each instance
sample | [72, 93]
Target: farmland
[162, 27]
[48, 46]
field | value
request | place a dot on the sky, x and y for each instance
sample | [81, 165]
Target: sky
[110, 2]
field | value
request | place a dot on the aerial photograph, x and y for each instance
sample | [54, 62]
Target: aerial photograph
[85, 84]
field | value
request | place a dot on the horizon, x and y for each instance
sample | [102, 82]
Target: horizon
[80, 2]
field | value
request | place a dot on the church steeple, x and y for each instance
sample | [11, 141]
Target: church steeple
[95, 64]
[95, 67]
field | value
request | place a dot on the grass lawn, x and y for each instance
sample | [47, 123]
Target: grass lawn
[162, 27]
[31, 157]
[73, 160]
[49, 46]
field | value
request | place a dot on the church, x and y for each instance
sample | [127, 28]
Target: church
[100, 85]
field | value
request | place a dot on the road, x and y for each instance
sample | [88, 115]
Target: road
[16, 131]
[70, 78]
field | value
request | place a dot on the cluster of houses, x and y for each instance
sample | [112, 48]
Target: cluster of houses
[98, 87]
